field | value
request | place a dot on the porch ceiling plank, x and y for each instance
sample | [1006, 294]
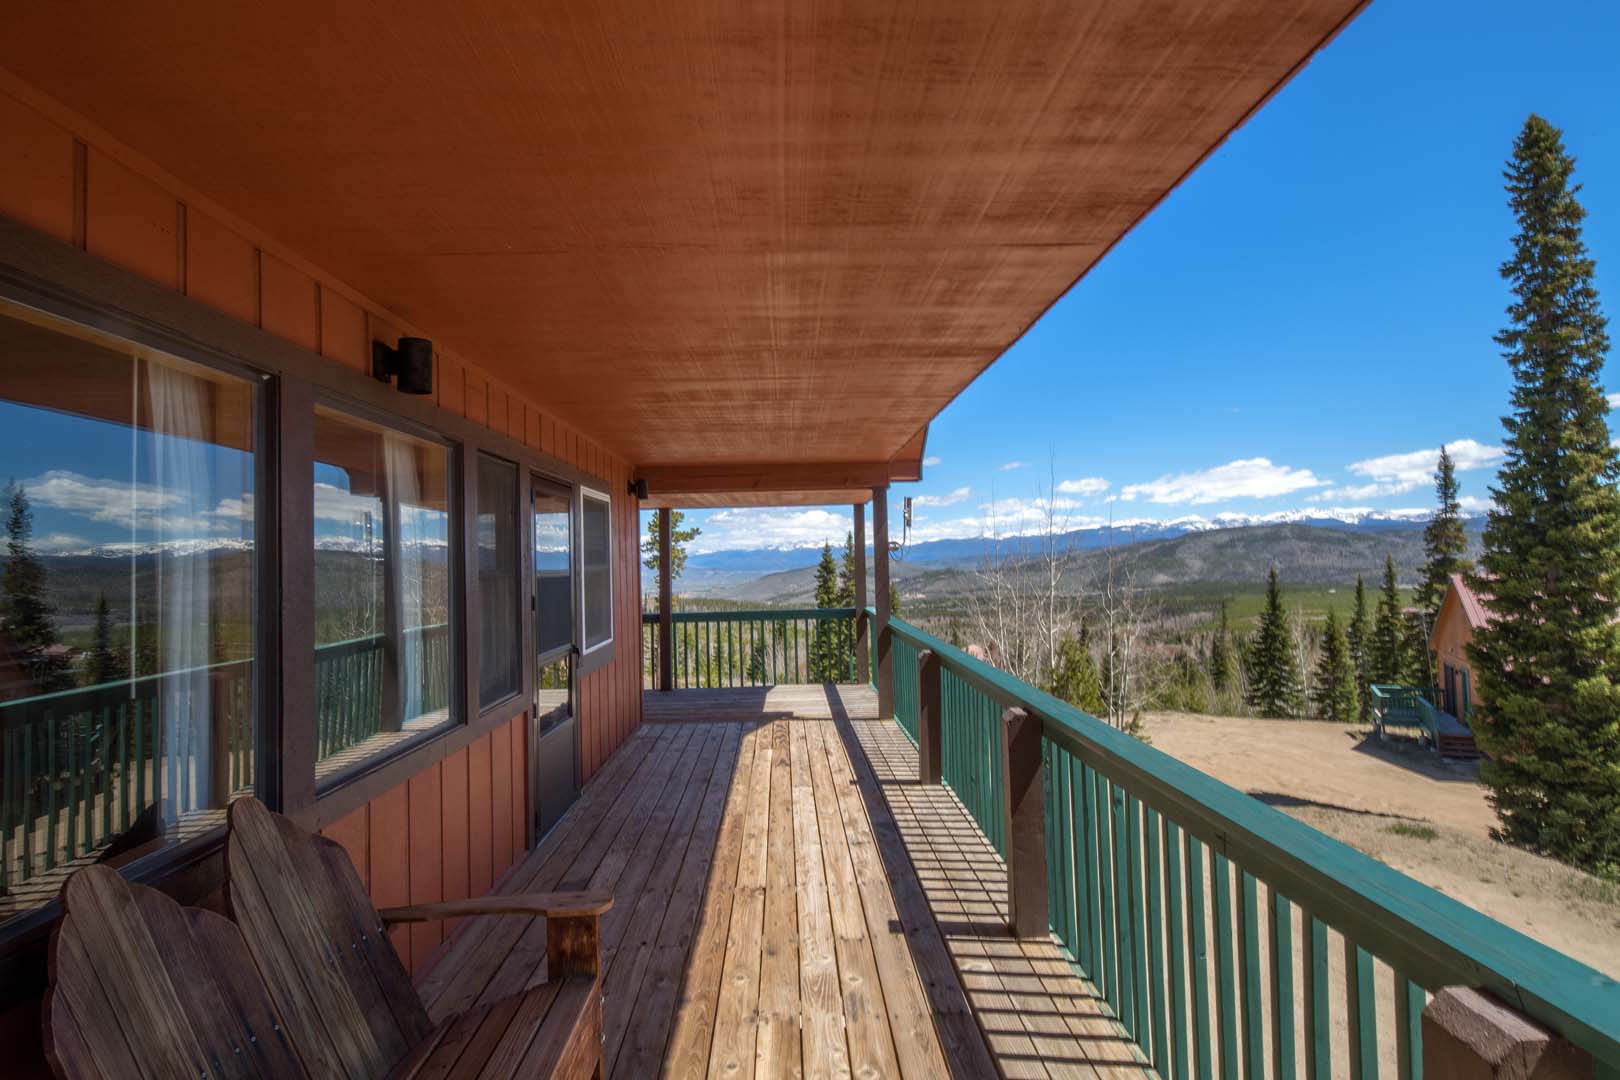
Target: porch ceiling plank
[690, 231]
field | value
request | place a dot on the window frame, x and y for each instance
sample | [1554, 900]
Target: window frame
[463, 653]
[591, 656]
[518, 589]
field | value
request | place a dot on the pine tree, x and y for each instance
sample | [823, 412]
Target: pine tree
[1358, 636]
[1388, 656]
[29, 629]
[846, 572]
[678, 539]
[825, 644]
[1549, 660]
[1334, 695]
[1444, 541]
[104, 663]
[1221, 668]
[1075, 678]
[1274, 672]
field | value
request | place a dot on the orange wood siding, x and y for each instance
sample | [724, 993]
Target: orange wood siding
[453, 829]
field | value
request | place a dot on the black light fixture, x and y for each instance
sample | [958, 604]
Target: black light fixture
[411, 363]
[638, 488]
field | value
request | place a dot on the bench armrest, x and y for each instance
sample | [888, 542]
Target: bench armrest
[557, 905]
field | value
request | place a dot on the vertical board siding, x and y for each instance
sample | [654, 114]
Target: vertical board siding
[456, 827]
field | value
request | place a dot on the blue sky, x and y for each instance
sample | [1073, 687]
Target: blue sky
[1305, 320]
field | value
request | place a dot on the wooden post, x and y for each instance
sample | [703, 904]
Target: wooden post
[929, 764]
[880, 585]
[1467, 1033]
[863, 644]
[666, 617]
[1023, 786]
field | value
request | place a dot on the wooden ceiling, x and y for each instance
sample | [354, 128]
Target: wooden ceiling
[705, 234]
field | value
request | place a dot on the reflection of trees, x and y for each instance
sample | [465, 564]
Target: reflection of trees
[30, 627]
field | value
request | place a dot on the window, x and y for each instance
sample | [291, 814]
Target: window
[596, 569]
[382, 589]
[553, 604]
[500, 639]
[127, 586]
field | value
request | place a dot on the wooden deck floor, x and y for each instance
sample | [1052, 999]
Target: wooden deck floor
[788, 903]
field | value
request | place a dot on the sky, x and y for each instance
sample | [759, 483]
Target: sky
[1303, 322]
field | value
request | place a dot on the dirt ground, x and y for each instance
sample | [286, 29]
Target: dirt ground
[1360, 791]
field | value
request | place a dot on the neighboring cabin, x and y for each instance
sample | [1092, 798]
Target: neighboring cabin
[1461, 613]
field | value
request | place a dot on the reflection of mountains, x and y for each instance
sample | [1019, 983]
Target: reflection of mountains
[121, 550]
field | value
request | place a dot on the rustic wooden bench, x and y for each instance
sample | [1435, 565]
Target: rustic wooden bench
[302, 980]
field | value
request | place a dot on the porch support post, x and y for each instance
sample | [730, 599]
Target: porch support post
[1023, 786]
[929, 769]
[666, 617]
[863, 643]
[880, 585]
[1468, 1033]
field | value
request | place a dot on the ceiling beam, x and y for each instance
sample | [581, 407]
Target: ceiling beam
[782, 477]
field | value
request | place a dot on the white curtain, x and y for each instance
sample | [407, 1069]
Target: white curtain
[402, 460]
[173, 502]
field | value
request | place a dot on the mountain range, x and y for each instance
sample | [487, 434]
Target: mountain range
[1308, 548]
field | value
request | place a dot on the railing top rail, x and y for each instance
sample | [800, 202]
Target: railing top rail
[1431, 938]
[754, 615]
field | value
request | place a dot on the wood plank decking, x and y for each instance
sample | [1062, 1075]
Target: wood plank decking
[788, 903]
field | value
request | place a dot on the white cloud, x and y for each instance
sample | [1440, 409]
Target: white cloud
[118, 503]
[1473, 504]
[1247, 478]
[1086, 485]
[1614, 401]
[755, 527]
[950, 498]
[57, 543]
[930, 461]
[1396, 474]
[332, 503]
[1012, 465]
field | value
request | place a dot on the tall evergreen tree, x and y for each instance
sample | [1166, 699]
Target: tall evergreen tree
[1221, 667]
[1388, 657]
[1274, 677]
[1444, 541]
[1334, 695]
[1358, 636]
[1075, 678]
[29, 629]
[678, 539]
[825, 642]
[846, 572]
[1549, 660]
[104, 663]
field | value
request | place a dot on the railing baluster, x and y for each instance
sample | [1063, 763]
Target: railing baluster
[1318, 1018]
[1124, 919]
[1155, 915]
[1080, 825]
[1200, 956]
[1104, 846]
[1139, 971]
[1409, 1002]
[1226, 998]
[1254, 1037]
[1173, 849]
[1360, 1008]
[1283, 1049]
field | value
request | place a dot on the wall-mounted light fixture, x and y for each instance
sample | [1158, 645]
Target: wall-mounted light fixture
[411, 363]
[638, 488]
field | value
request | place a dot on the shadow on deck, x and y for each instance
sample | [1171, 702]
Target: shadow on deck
[788, 901]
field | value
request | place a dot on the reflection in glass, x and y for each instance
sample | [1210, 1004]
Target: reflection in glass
[553, 605]
[596, 566]
[382, 589]
[126, 600]
[501, 643]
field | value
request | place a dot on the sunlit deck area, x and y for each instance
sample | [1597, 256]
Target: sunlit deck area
[788, 901]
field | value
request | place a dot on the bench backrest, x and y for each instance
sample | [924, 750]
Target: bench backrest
[142, 987]
[345, 997]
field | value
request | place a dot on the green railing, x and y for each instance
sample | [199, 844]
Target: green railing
[78, 767]
[1210, 922]
[1406, 706]
[754, 648]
